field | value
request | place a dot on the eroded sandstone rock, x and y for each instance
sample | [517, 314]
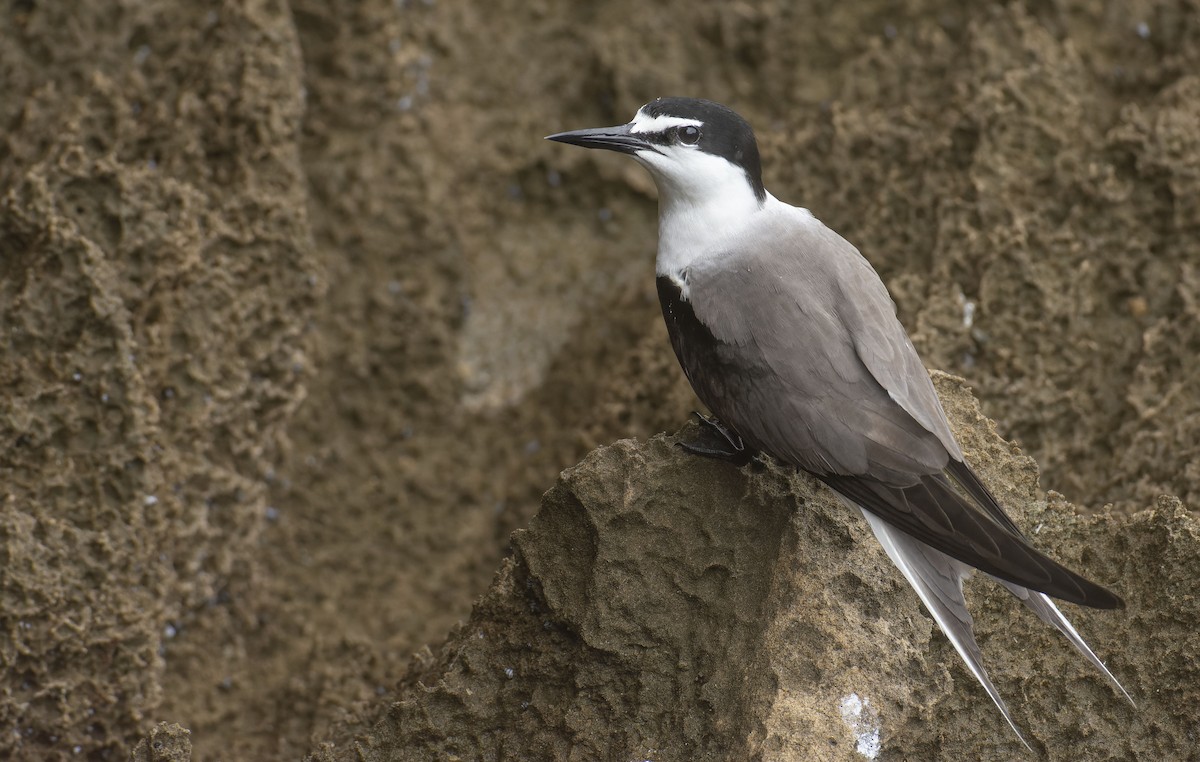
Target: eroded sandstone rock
[665, 607]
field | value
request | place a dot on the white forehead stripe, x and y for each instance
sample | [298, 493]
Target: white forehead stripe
[643, 123]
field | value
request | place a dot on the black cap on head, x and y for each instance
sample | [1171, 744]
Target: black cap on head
[725, 133]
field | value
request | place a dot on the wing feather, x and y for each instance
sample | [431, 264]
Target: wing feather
[808, 362]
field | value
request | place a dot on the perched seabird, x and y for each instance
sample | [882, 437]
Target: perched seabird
[791, 339]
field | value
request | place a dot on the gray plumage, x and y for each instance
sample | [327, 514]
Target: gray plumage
[813, 367]
[789, 336]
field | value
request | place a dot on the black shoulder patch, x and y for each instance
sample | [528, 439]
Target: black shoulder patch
[693, 342]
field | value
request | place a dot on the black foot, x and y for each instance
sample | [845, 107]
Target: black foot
[721, 442]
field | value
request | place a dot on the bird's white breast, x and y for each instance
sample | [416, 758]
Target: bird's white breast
[692, 234]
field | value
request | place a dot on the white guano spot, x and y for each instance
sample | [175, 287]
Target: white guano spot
[968, 313]
[863, 721]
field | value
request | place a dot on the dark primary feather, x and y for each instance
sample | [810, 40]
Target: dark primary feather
[932, 512]
[808, 362]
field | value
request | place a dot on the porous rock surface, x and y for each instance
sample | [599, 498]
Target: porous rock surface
[299, 316]
[156, 275]
[663, 607]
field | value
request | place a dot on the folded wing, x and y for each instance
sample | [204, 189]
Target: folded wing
[808, 362]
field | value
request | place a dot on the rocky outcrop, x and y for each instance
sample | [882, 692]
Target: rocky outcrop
[299, 316]
[665, 607]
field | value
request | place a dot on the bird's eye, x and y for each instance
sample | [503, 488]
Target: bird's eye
[689, 135]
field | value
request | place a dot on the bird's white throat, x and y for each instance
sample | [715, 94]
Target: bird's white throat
[703, 201]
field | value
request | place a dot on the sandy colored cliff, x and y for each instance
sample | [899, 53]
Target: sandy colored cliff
[299, 318]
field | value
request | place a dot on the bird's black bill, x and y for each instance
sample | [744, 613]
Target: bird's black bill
[618, 139]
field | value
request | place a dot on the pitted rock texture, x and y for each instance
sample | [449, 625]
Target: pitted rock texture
[664, 607]
[299, 316]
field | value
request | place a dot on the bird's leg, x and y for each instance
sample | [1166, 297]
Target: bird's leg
[728, 447]
[731, 437]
